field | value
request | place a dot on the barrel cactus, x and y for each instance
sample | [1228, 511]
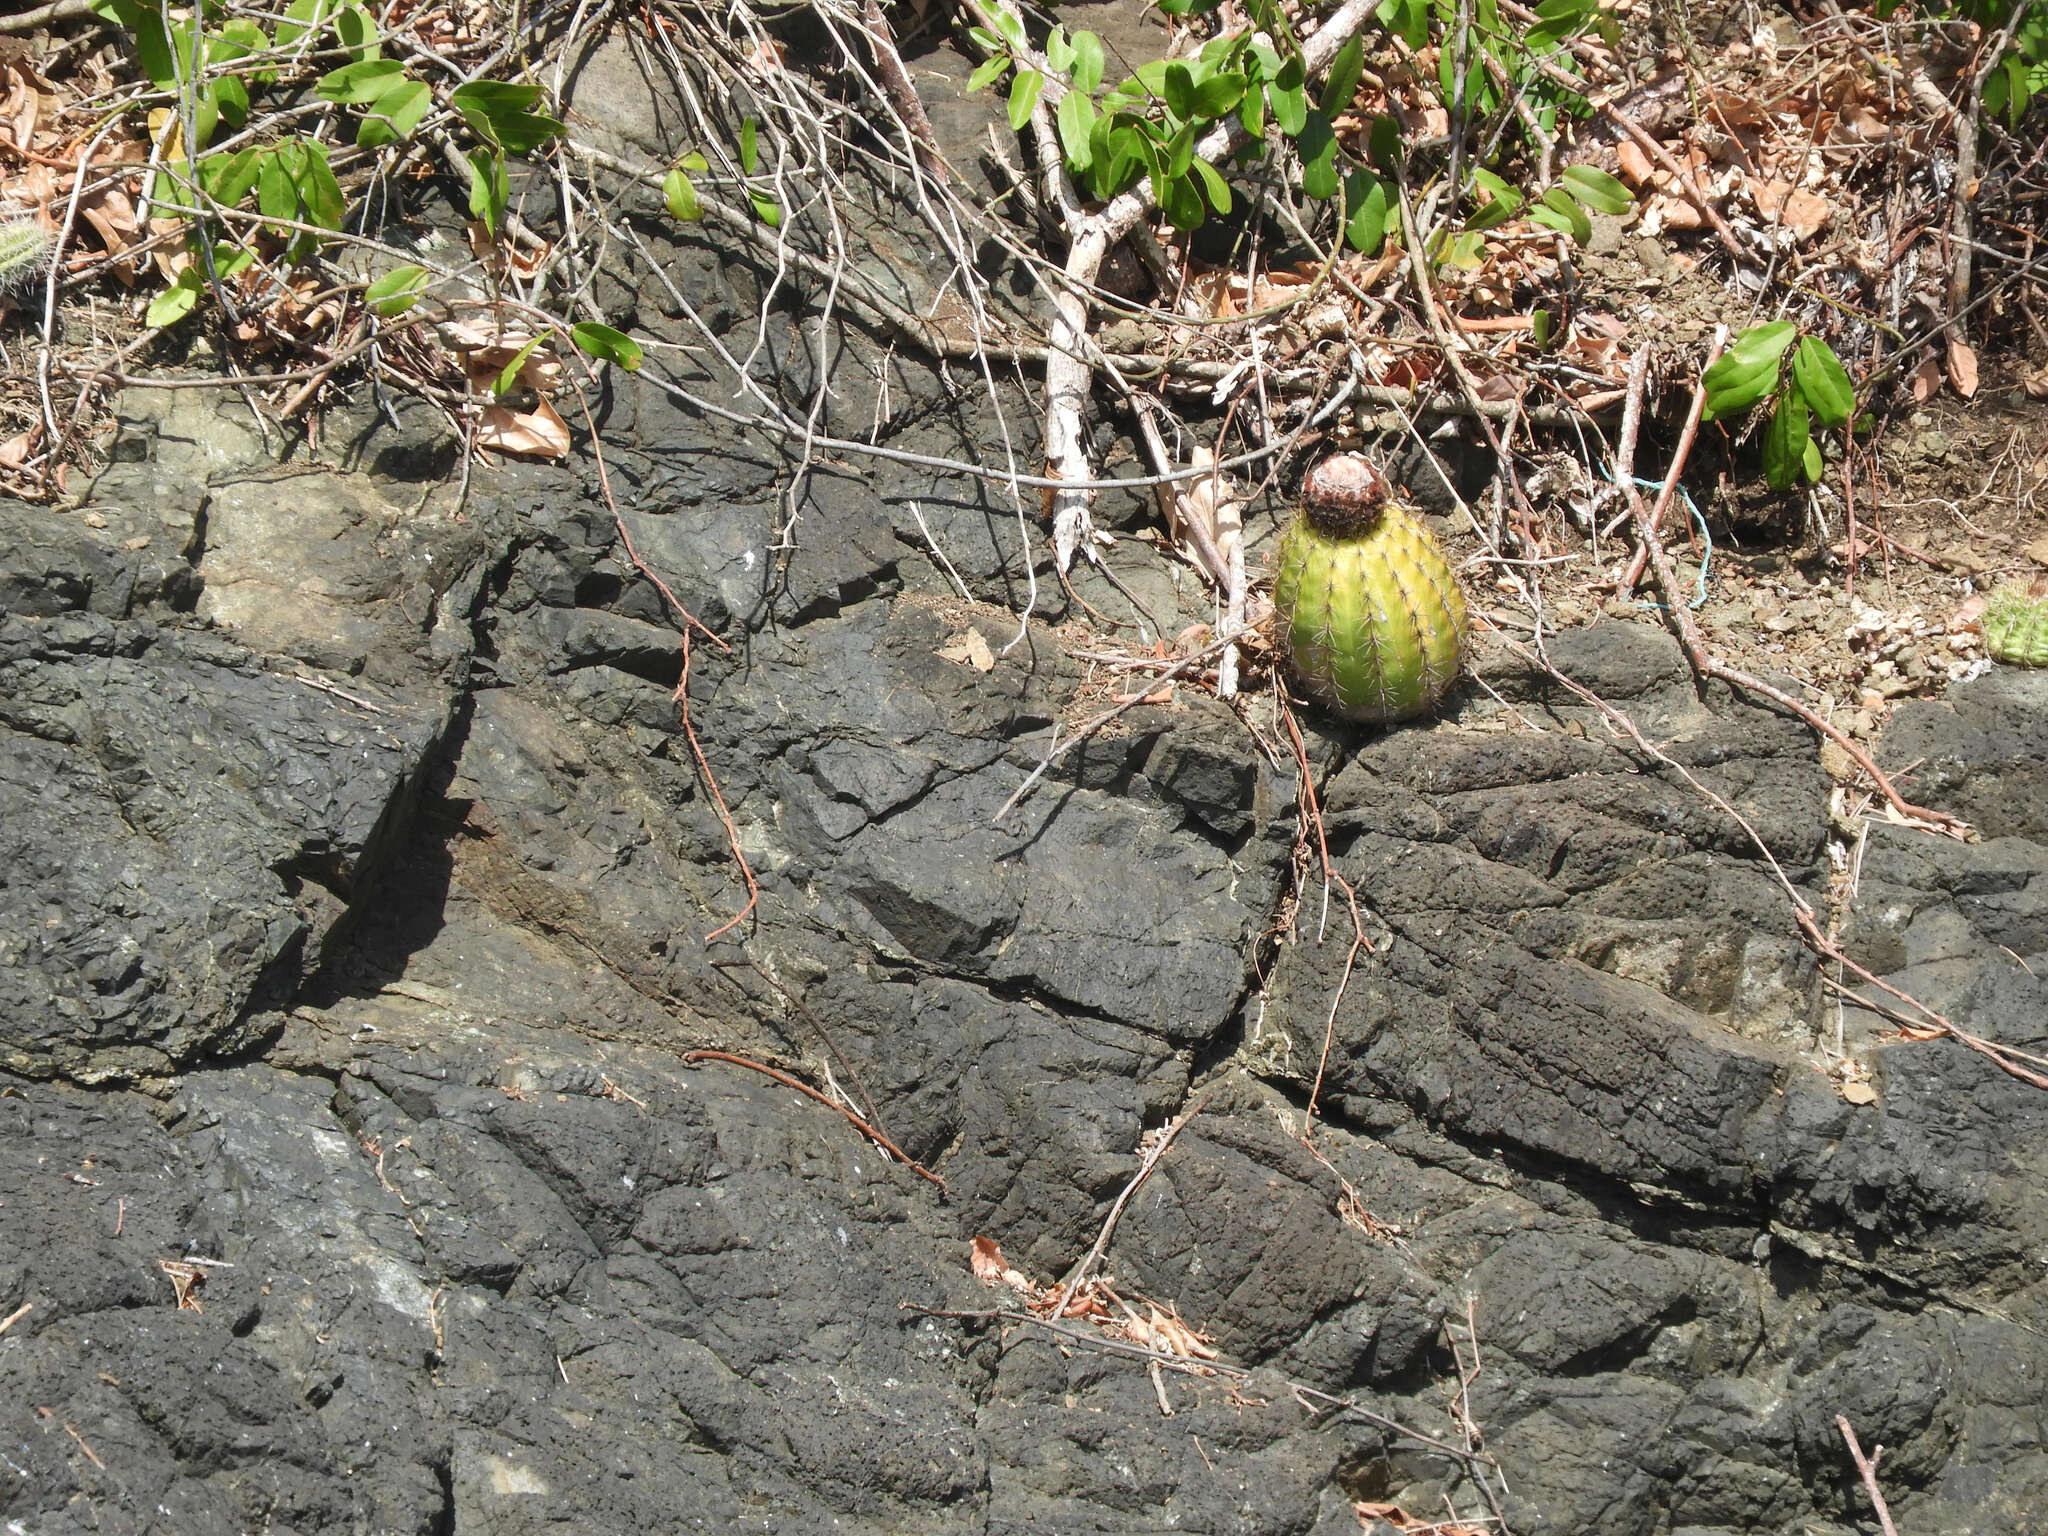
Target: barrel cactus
[1370, 617]
[2016, 627]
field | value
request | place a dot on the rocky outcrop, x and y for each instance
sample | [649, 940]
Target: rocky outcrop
[354, 903]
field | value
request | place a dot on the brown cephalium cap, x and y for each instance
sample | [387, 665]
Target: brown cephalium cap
[1343, 495]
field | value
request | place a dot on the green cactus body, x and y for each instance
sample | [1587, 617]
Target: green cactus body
[1370, 617]
[2016, 628]
[24, 247]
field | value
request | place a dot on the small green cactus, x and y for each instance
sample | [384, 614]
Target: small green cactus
[2016, 627]
[24, 247]
[1370, 616]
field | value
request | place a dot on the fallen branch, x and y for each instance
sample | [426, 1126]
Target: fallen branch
[1151, 1161]
[1866, 1466]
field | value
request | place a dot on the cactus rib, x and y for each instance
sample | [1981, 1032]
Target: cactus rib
[2016, 627]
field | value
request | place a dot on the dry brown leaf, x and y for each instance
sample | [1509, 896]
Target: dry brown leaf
[2035, 383]
[539, 433]
[971, 649]
[1636, 167]
[1784, 205]
[1859, 1093]
[986, 1255]
[15, 451]
[1962, 368]
[1926, 380]
[21, 105]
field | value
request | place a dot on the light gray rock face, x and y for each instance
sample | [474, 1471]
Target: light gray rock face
[362, 898]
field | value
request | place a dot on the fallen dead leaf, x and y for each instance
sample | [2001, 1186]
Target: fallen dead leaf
[15, 451]
[1962, 368]
[1926, 380]
[986, 1255]
[971, 649]
[539, 433]
[1859, 1093]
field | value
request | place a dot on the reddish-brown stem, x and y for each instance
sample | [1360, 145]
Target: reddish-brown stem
[682, 693]
[1694, 413]
[867, 1130]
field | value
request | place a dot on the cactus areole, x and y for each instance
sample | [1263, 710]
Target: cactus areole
[1370, 617]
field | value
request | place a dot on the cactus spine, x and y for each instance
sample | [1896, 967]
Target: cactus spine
[24, 247]
[1370, 617]
[2016, 627]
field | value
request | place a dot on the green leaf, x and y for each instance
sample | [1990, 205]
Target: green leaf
[301, 19]
[396, 291]
[1213, 184]
[1596, 189]
[1088, 61]
[502, 114]
[1179, 90]
[766, 209]
[276, 197]
[606, 344]
[1734, 385]
[153, 51]
[1024, 91]
[509, 374]
[1219, 95]
[228, 259]
[680, 193]
[235, 38]
[231, 98]
[1180, 151]
[1786, 440]
[695, 164]
[1076, 119]
[1557, 20]
[1810, 462]
[1011, 25]
[1409, 18]
[988, 40]
[395, 114]
[355, 31]
[1383, 145]
[1059, 51]
[988, 72]
[1367, 207]
[1345, 70]
[1290, 107]
[750, 147]
[1180, 202]
[1560, 212]
[359, 84]
[1540, 328]
[176, 301]
[228, 178]
[1823, 382]
[489, 190]
[1763, 343]
[1502, 202]
[318, 190]
[1318, 145]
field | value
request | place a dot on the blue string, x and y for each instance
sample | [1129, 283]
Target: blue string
[1706, 541]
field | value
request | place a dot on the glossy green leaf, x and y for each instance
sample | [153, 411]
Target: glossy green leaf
[1786, 440]
[395, 114]
[176, 301]
[396, 291]
[231, 97]
[1088, 61]
[1369, 211]
[490, 192]
[1180, 202]
[1059, 51]
[359, 84]
[680, 193]
[228, 178]
[1213, 185]
[606, 344]
[1823, 382]
[767, 210]
[1341, 84]
[1179, 90]
[1218, 96]
[319, 194]
[988, 72]
[1596, 189]
[1561, 212]
[1502, 202]
[1318, 145]
[750, 147]
[1810, 462]
[509, 374]
[1076, 121]
[1290, 107]
[1540, 327]
[1024, 91]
